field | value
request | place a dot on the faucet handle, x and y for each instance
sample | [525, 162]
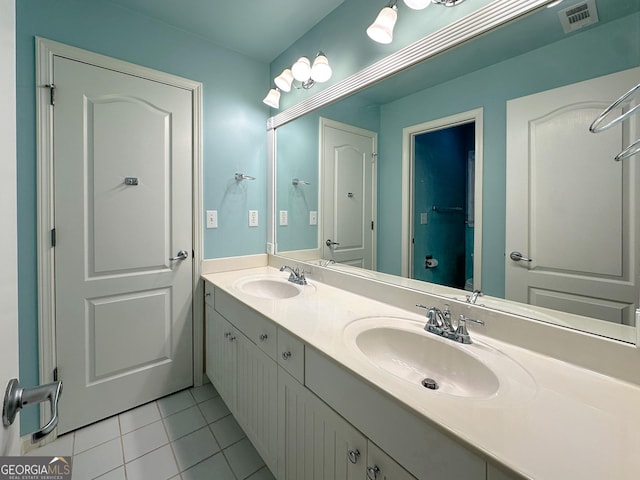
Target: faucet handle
[462, 334]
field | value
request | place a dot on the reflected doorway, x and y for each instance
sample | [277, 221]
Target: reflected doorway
[441, 210]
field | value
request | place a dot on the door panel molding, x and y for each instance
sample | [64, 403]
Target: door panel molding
[46, 50]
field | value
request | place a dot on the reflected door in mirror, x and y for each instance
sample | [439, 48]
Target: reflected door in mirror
[570, 206]
[349, 193]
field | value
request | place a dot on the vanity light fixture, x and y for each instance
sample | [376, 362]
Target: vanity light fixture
[381, 30]
[303, 71]
[273, 98]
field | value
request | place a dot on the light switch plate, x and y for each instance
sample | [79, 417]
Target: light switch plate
[284, 218]
[313, 218]
[253, 218]
[212, 219]
[424, 218]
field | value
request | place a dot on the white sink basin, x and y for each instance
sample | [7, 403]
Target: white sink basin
[271, 286]
[433, 364]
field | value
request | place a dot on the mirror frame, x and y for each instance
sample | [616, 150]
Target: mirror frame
[492, 16]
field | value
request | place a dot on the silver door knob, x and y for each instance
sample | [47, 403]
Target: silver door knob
[518, 257]
[182, 255]
[330, 244]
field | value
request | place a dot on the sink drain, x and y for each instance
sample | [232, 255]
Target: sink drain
[430, 383]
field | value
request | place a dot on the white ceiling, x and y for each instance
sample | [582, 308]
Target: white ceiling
[260, 29]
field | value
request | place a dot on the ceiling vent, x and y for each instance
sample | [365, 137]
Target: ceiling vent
[578, 16]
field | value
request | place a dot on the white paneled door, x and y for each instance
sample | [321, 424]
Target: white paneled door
[571, 209]
[348, 193]
[123, 213]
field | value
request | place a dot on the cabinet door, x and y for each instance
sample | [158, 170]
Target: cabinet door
[315, 443]
[381, 466]
[257, 395]
[221, 355]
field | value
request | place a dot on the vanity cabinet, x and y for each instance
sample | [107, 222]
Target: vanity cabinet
[246, 378]
[314, 441]
[317, 443]
[310, 418]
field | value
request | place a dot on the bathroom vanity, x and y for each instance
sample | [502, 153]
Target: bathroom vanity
[328, 383]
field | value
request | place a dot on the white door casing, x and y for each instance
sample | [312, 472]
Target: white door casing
[408, 146]
[106, 258]
[565, 190]
[9, 437]
[348, 180]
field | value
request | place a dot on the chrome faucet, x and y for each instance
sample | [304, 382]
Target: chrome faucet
[297, 275]
[439, 323]
[474, 296]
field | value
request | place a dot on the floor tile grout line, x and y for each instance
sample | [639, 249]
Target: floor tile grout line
[173, 452]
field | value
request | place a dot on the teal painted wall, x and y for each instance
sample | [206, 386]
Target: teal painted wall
[440, 179]
[234, 135]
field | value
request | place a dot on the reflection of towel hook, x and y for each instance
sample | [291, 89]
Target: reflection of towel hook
[241, 176]
[297, 181]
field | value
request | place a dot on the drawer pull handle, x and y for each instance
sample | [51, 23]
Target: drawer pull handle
[286, 355]
[227, 334]
[353, 455]
[264, 337]
[208, 294]
[372, 472]
[231, 338]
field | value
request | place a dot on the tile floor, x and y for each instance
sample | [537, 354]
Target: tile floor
[190, 435]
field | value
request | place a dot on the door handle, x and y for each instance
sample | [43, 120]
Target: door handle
[330, 244]
[517, 257]
[17, 397]
[182, 255]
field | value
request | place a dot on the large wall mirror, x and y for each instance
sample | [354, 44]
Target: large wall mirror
[475, 169]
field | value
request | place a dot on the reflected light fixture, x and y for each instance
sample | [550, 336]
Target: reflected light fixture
[417, 4]
[381, 30]
[303, 71]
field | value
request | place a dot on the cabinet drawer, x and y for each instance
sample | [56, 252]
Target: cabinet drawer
[208, 293]
[257, 328]
[291, 354]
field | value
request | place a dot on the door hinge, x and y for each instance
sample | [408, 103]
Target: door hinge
[52, 93]
[371, 224]
[55, 374]
[53, 237]
[374, 157]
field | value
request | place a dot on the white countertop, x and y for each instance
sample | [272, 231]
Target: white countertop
[549, 420]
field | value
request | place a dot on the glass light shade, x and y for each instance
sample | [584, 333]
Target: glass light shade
[417, 4]
[381, 30]
[273, 98]
[284, 80]
[321, 70]
[301, 70]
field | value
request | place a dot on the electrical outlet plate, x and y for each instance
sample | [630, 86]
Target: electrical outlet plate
[284, 218]
[313, 218]
[253, 218]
